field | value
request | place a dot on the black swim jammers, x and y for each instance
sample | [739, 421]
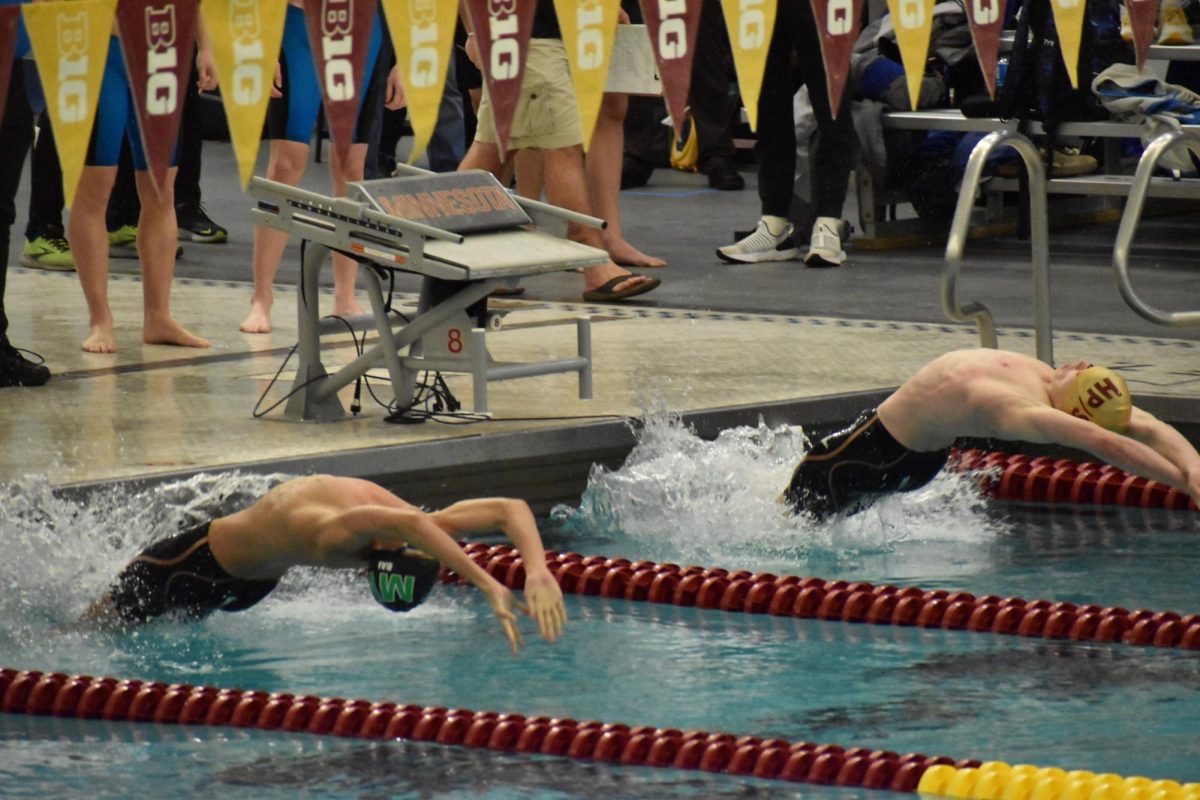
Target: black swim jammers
[179, 576]
[847, 469]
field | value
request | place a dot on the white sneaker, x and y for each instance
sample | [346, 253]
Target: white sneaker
[762, 245]
[825, 244]
[1173, 27]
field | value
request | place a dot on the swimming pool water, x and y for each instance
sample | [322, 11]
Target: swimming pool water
[1103, 707]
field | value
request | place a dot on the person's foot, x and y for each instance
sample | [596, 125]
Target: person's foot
[170, 332]
[825, 244]
[122, 243]
[100, 340]
[16, 370]
[724, 176]
[626, 255]
[196, 226]
[46, 252]
[635, 173]
[258, 320]
[348, 310]
[610, 282]
[762, 244]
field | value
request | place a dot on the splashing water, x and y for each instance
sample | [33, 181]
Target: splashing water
[685, 498]
[62, 551]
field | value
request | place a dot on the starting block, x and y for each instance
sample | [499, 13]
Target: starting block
[465, 235]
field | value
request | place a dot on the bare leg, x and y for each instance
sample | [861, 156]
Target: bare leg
[604, 160]
[157, 233]
[89, 244]
[565, 187]
[345, 270]
[286, 165]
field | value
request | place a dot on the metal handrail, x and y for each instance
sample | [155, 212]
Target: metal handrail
[1039, 242]
[1128, 229]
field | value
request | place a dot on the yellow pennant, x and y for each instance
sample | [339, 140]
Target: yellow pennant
[1068, 21]
[589, 28]
[913, 20]
[750, 24]
[423, 37]
[245, 37]
[70, 44]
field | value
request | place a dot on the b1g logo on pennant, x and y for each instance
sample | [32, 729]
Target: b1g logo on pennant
[72, 99]
[246, 27]
[985, 18]
[503, 28]
[337, 30]
[672, 27]
[424, 63]
[162, 85]
[837, 25]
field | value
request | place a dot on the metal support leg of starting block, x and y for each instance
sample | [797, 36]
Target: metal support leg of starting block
[306, 401]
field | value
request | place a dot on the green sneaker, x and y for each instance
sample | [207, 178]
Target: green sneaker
[48, 253]
[122, 243]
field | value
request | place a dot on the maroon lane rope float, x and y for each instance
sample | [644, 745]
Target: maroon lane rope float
[82, 696]
[1020, 478]
[1046, 480]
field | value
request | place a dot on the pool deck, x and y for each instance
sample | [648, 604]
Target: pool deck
[714, 339]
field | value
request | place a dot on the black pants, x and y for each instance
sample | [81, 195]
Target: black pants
[16, 134]
[46, 199]
[832, 154]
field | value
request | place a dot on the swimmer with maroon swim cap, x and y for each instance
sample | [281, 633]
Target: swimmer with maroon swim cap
[987, 394]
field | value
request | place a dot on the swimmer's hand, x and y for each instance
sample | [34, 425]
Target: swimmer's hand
[545, 603]
[503, 602]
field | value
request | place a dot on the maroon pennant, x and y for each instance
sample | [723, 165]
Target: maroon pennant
[672, 26]
[1143, 14]
[986, 18]
[837, 21]
[9, 17]
[502, 30]
[339, 33]
[156, 39]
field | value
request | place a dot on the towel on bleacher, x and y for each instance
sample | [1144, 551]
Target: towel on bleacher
[1130, 95]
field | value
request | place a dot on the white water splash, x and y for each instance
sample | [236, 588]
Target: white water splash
[681, 497]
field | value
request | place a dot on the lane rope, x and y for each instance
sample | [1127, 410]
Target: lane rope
[1039, 479]
[82, 696]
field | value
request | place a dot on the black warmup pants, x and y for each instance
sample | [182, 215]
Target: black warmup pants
[16, 134]
[832, 155]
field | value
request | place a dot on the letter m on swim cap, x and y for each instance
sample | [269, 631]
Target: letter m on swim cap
[1104, 387]
[387, 586]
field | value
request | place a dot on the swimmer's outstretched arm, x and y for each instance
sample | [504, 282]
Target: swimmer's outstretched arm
[358, 528]
[1171, 445]
[542, 592]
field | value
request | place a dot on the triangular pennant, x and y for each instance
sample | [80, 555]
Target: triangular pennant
[588, 29]
[672, 25]
[245, 37]
[986, 18]
[70, 45]
[339, 33]
[157, 38]
[1143, 14]
[750, 28]
[913, 21]
[1068, 21]
[9, 18]
[837, 27]
[502, 29]
[423, 37]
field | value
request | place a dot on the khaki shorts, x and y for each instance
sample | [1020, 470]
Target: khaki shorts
[546, 116]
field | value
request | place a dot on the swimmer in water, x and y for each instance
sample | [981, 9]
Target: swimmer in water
[232, 562]
[986, 393]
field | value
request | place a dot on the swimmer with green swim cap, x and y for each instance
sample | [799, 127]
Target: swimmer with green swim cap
[232, 562]
[988, 394]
